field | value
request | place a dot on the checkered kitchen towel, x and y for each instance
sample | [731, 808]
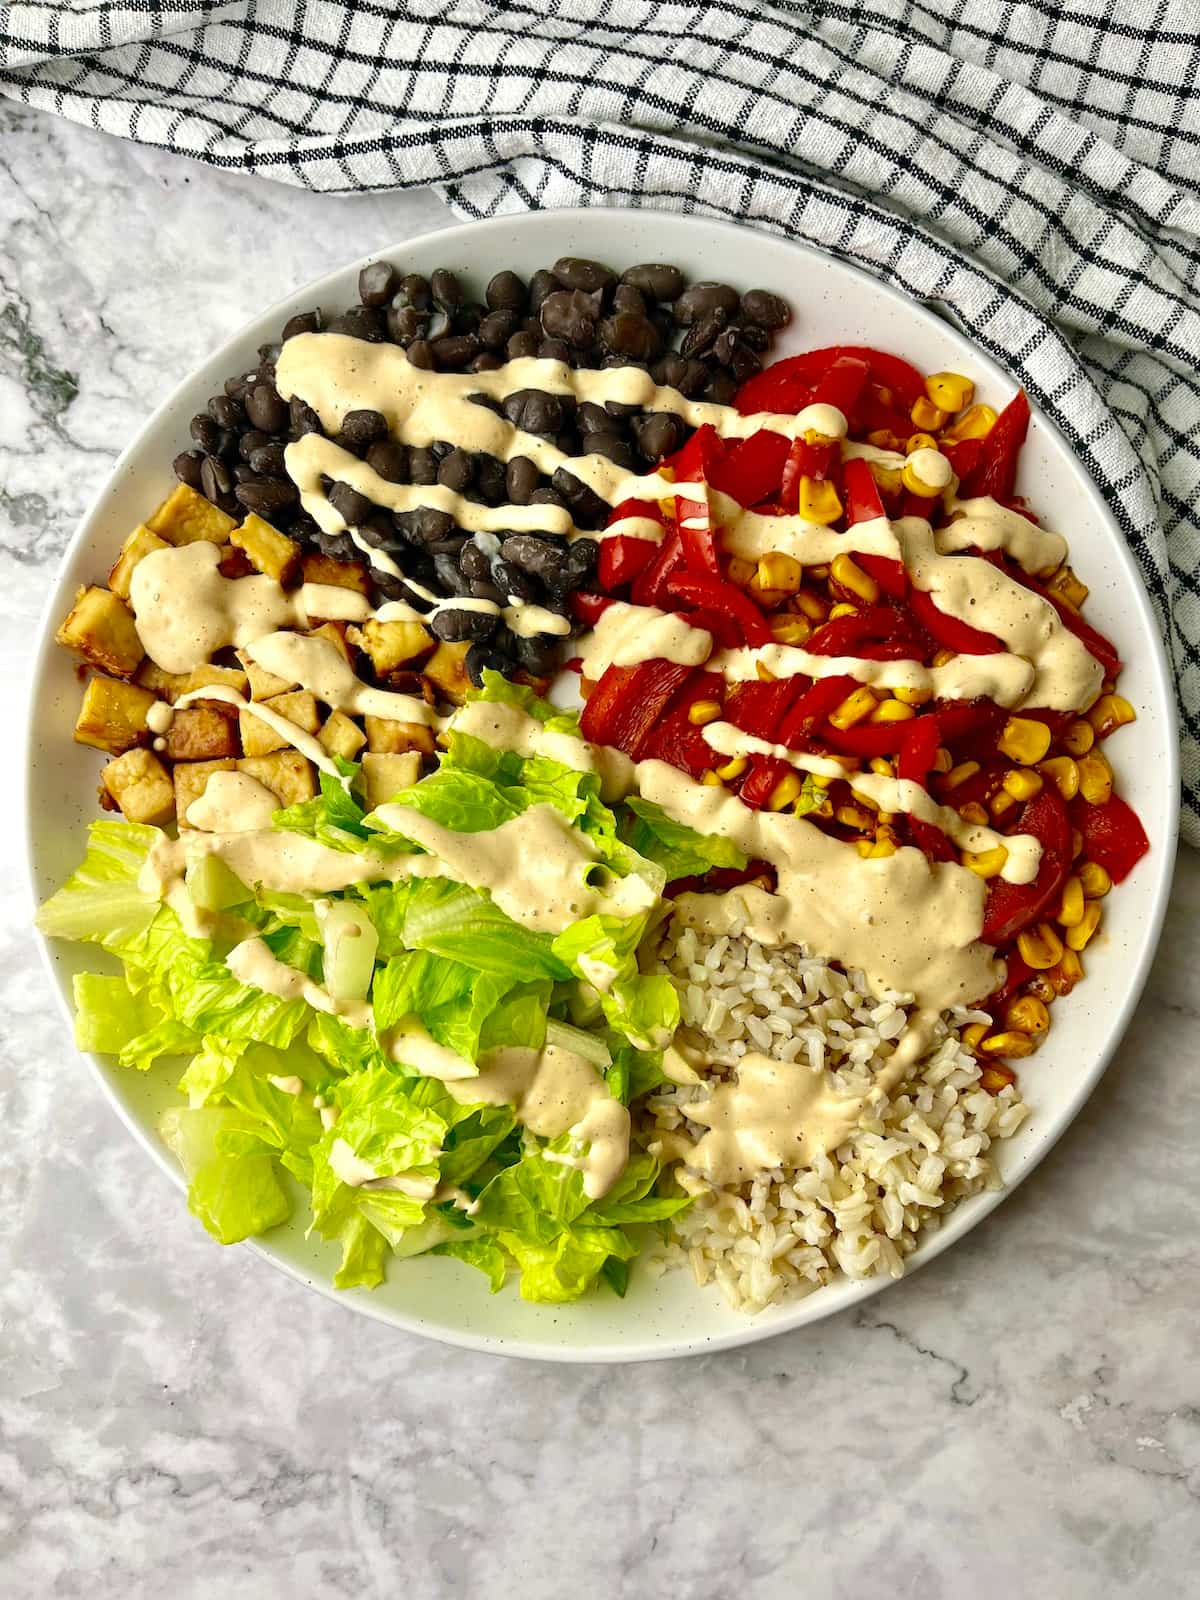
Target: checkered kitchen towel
[1032, 168]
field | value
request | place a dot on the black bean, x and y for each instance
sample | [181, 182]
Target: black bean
[627, 298]
[377, 283]
[535, 555]
[422, 466]
[658, 435]
[744, 363]
[576, 272]
[485, 589]
[363, 427]
[587, 509]
[446, 574]
[521, 479]
[620, 411]
[379, 531]
[457, 471]
[268, 459]
[237, 386]
[490, 479]
[215, 478]
[544, 495]
[483, 658]
[592, 418]
[446, 290]
[489, 402]
[351, 506]
[360, 322]
[611, 445]
[505, 292]
[754, 337]
[250, 441]
[582, 556]
[413, 290]
[268, 497]
[243, 472]
[441, 449]
[656, 279]
[497, 328]
[427, 525]
[513, 583]
[535, 412]
[453, 352]
[268, 355]
[721, 388]
[389, 586]
[486, 361]
[407, 323]
[187, 467]
[700, 298]
[631, 334]
[302, 322]
[302, 418]
[704, 332]
[455, 626]
[521, 345]
[542, 283]
[669, 370]
[205, 432]
[554, 350]
[766, 309]
[468, 317]
[539, 654]
[338, 545]
[695, 376]
[472, 562]
[226, 413]
[389, 458]
[571, 315]
[420, 354]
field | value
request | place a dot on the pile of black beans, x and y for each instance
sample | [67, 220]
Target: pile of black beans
[704, 339]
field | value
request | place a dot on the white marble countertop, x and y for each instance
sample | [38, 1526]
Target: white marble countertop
[180, 1420]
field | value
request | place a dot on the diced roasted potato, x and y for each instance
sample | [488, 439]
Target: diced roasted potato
[139, 543]
[392, 645]
[113, 715]
[201, 733]
[170, 685]
[286, 773]
[385, 775]
[100, 628]
[141, 786]
[264, 685]
[191, 780]
[270, 551]
[299, 707]
[185, 516]
[385, 737]
[446, 669]
[341, 736]
[235, 563]
[340, 574]
[335, 632]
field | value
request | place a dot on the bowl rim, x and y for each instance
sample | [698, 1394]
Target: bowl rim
[968, 1214]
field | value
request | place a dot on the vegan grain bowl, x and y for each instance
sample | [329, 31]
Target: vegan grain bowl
[581, 791]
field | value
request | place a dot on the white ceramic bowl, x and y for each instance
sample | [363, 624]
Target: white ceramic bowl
[835, 304]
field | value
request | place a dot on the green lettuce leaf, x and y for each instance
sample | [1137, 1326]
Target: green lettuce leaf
[101, 902]
[678, 849]
[234, 1195]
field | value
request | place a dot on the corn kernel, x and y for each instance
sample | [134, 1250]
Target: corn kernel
[994, 1077]
[846, 572]
[842, 609]
[985, 863]
[912, 697]
[882, 766]
[813, 606]
[884, 439]
[820, 781]
[864, 847]
[976, 422]
[703, 711]
[854, 708]
[893, 711]
[854, 817]
[711, 779]
[819, 573]
[739, 571]
[1041, 986]
[1063, 773]
[928, 417]
[919, 441]
[1024, 740]
[974, 1036]
[1080, 935]
[943, 761]
[1001, 803]
[881, 849]
[1012, 1044]
[886, 478]
[1040, 946]
[779, 571]
[1079, 737]
[1067, 973]
[733, 769]
[819, 501]
[973, 812]
[792, 630]
[959, 774]
[915, 484]
[1095, 880]
[786, 792]
[1111, 711]
[1023, 784]
[1076, 844]
[1071, 906]
[1095, 779]
[1027, 1015]
[763, 672]
[864, 800]
[1068, 587]
[943, 658]
[949, 390]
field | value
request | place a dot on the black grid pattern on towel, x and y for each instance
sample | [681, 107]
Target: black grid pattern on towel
[1033, 174]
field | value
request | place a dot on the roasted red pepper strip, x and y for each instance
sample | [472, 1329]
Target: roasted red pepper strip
[916, 755]
[805, 460]
[723, 628]
[759, 708]
[786, 386]
[625, 706]
[948, 632]
[1112, 835]
[847, 636]
[1013, 906]
[863, 503]
[888, 574]
[995, 471]
[759, 783]
[722, 596]
[622, 558]
[865, 739]
[751, 469]
[678, 740]
[699, 457]
[962, 454]
[1018, 972]
[650, 585]
[842, 384]
[588, 608]
[812, 708]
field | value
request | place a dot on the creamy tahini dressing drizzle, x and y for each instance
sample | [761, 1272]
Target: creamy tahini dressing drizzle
[286, 729]
[254, 963]
[507, 727]
[185, 610]
[554, 1091]
[890, 794]
[348, 1166]
[627, 634]
[233, 802]
[318, 665]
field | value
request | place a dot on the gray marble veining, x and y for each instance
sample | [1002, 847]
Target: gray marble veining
[177, 1420]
